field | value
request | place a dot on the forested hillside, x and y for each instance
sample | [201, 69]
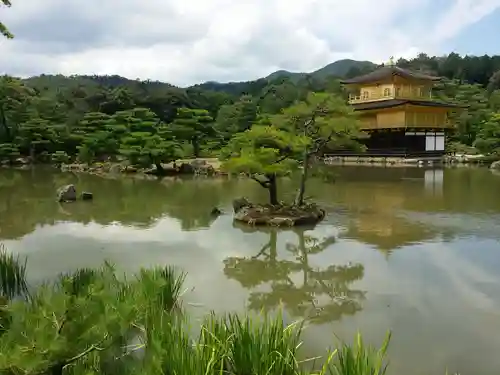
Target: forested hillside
[56, 117]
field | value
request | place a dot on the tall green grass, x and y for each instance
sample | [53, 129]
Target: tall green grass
[12, 275]
[94, 322]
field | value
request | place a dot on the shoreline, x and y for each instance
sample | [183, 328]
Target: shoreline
[211, 167]
[448, 161]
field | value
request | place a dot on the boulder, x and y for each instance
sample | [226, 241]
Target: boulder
[86, 196]
[186, 168]
[115, 169]
[239, 203]
[205, 169]
[495, 165]
[215, 212]
[66, 193]
[198, 163]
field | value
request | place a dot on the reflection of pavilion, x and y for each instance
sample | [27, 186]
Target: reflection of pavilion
[373, 207]
[386, 232]
[322, 294]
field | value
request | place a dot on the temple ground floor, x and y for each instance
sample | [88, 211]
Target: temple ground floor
[406, 143]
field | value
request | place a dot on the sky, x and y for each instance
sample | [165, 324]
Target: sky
[184, 42]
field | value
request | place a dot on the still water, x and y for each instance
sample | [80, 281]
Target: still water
[411, 250]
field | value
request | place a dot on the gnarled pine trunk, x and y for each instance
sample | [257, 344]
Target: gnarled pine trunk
[299, 199]
[272, 188]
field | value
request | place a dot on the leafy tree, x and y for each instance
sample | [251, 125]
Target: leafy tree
[3, 29]
[494, 82]
[278, 95]
[476, 108]
[194, 126]
[488, 140]
[147, 141]
[97, 135]
[494, 101]
[327, 122]
[16, 106]
[36, 135]
[9, 152]
[264, 153]
[236, 118]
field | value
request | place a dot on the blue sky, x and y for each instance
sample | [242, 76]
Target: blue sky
[185, 42]
[478, 39]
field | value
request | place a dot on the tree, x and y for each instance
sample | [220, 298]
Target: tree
[488, 139]
[264, 153]
[98, 135]
[193, 125]
[325, 121]
[236, 118]
[147, 140]
[36, 135]
[477, 108]
[3, 29]
[9, 152]
[16, 106]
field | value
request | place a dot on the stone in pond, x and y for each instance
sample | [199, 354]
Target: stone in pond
[66, 193]
[87, 196]
[215, 212]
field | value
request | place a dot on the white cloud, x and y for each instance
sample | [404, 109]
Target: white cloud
[188, 41]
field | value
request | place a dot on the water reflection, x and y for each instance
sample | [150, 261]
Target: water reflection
[321, 294]
[387, 232]
[439, 291]
[27, 200]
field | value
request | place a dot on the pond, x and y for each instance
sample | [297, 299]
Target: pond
[413, 250]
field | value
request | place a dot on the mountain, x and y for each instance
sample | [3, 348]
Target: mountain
[340, 68]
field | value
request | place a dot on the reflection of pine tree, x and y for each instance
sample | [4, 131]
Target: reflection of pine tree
[324, 295]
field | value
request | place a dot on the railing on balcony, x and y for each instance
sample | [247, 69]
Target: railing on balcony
[385, 94]
[387, 152]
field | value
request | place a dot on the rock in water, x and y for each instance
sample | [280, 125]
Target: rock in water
[87, 196]
[215, 212]
[240, 203]
[495, 165]
[66, 193]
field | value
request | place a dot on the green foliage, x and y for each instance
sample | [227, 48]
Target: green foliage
[96, 136]
[146, 140]
[12, 275]
[324, 119]
[236, 118]
[358, 359]
[8, 152]
[263, 150]
[194, 126]
[3, 29]
[488, 138]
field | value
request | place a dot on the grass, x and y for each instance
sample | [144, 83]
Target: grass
[93, 322]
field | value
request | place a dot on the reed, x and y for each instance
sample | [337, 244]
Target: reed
[12, 275]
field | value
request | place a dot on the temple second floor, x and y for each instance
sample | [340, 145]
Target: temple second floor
[390, 82]
[391, 91]
[406, 116]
